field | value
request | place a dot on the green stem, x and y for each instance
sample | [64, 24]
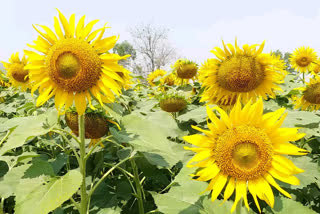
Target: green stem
[106, 174]
[96, 145]
[75, 203]
[82, 163]
[138, 186]
[5, 137]
[303, 78]
[70, 144]
[74, 137]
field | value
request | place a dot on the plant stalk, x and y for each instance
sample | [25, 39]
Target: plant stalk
[138, 186]
[82, 163]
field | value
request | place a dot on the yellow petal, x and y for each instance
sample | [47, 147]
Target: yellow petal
[229, 189]
[57, 28]
[241, 190]
[80, 26]
[290, 179]
[271, 181]
[65, 24]
[72, 25]
[218, 185]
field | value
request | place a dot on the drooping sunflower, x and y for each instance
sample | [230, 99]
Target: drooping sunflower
[185, 70]
[302, 59]
[96, 126]
[245, 73]
[17, 72]
[172, 103]
[154, 75]
[75, 64]
[310, 100]
[245, 150]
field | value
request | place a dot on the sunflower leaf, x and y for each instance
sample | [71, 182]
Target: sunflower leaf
[149, 135]
[26, 128]
[39, 196]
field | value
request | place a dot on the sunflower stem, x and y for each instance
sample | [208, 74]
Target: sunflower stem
[138, 186]
[82, 163]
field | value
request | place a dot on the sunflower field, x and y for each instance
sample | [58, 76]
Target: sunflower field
[79, 133]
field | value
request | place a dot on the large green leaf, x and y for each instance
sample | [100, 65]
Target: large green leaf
[184, 195]
[11, 180]
[311, 172]
[307, 121]
[26, 128]
[150, 134]
[198, 115]
[284, 205]
[218, 207]
[37, 196]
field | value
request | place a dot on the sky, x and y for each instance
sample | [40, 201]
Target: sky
[195, 27]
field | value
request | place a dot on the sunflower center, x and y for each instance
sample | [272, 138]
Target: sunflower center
[245, 155]
[240, 74]
[18, 72]
[244, 152]
[68, 65]
[187, 71]
[73, 65]
[312, 94]
[303, 61]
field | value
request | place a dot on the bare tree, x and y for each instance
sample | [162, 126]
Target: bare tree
[152, 44]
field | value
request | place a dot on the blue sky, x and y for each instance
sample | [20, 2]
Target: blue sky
[195, 26]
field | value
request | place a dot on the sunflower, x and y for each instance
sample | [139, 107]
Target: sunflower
[96, 126]
[153, 76]
[310, 100]
[315, 68]
[245, 150]
[185, 70]
[75, 64]
[172, 103]
[127, 79]
[302, 59]
[226, 103]
[3, 81]
[17, 72]
[245, 73]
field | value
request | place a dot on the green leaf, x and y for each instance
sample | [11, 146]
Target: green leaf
[27, 128]
[36, 196]
[218, 207]
[311, 172]
[284, 205]
[11, 180]
[184, 195]
[300, 119]
[290, 84]
[198, 115]
[150, 134]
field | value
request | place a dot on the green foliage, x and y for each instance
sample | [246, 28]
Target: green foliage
[39, 171]
[23, 129]
[149, 135]
[38, 195]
